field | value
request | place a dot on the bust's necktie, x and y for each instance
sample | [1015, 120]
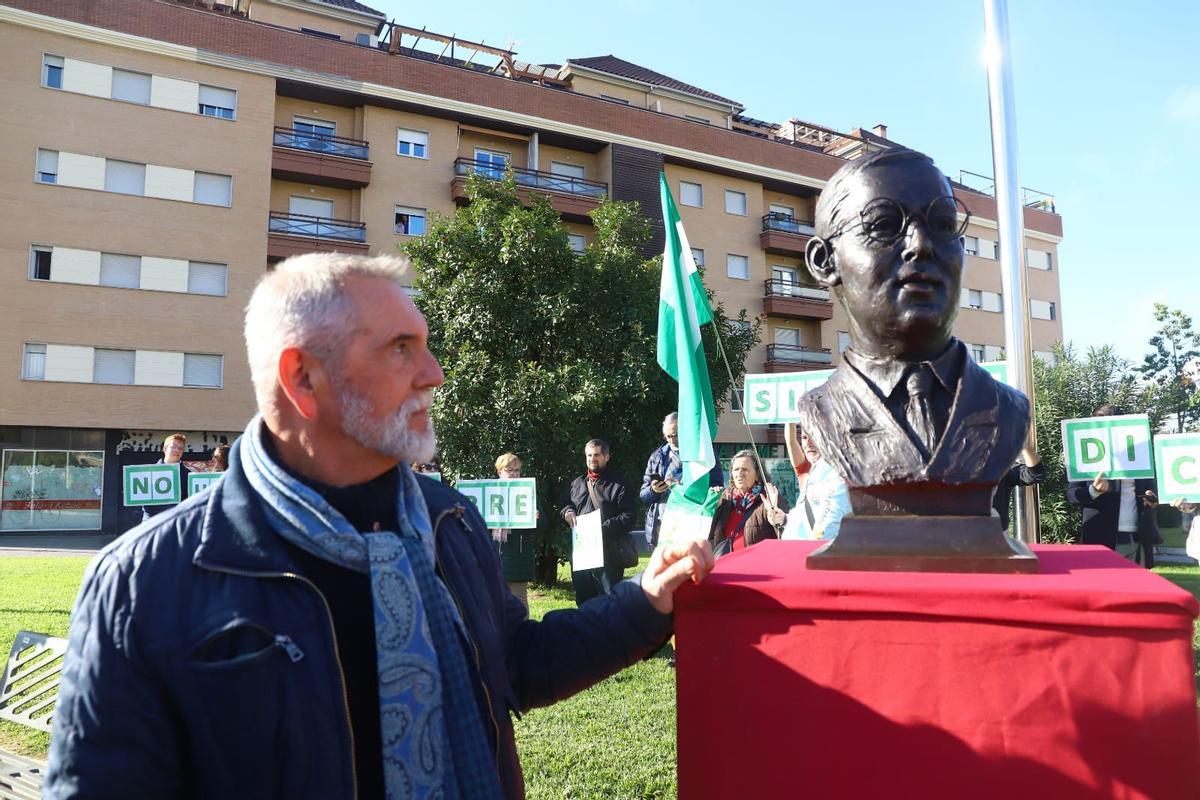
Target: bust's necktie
[920, 408]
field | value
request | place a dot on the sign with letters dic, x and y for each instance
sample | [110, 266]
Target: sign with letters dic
[504, 503]
[151, 484]
[1177, 456]
[1117, 446]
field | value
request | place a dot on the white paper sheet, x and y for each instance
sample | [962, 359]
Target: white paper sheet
[587, 542]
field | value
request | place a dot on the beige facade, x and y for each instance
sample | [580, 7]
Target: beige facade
[162, 313]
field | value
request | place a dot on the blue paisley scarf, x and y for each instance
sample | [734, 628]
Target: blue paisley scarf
[434, 742]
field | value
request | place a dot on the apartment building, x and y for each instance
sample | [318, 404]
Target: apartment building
[167, 152]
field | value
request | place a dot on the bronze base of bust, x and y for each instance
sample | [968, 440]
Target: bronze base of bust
[897, 543]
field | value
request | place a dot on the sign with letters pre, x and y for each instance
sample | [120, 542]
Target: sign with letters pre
[504, 503]
[199, 481]
[1177, 456]
[152, 484]
[1119, 447]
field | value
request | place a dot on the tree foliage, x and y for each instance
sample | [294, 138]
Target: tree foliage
[1173, 365]
[544, 348]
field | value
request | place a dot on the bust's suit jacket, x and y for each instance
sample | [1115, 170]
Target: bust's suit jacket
[863, 441]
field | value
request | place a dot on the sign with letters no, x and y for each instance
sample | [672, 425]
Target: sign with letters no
[151, 484]
[510, 503]
[1117, 446]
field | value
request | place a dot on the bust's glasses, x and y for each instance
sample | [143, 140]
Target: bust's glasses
[883, 221]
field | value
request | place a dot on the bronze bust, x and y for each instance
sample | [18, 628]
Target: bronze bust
[920, 432]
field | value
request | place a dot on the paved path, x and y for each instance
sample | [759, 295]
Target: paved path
[20, 777]
[49, 544]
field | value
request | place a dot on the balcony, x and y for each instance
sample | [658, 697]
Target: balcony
[784, 235]
[790, 300]
[573, 198]
[294, 234]
[321, 159]
[797, 358]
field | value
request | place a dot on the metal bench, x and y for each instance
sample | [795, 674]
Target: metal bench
[28, 692]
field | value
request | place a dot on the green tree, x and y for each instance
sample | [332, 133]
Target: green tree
[1073, 387]
[1173, 364]
[544, 348]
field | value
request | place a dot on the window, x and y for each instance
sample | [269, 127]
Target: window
[47, 166]
[410, 221]
[217, 102]
[202, 370]
[785, 275]
[691, 194]
[213, 190]
[697, 119]
[133, 87]
[52, 71]
[577, 242]
[39, 263]
[971, 245]
[737, 267]
[413, 144]
[491, 163]
[977, 352]
[974, 298]
[735, 399]
[207, 278]
[1041, 309]
[993, 352]
[34, 366]
[993, 301]
[113, 366]
[612, 99]
[123, 272]
[124, 177]
[698, 256]
[735, 202]
[1038, 259]
[843, 341]
[787, 336]
[782, 210]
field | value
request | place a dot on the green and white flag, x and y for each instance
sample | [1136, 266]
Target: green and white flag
[682, 309]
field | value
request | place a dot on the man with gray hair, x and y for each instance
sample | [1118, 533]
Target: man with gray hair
[323, 623]
[664, 469]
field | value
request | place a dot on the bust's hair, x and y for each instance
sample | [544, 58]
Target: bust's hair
[831, 205]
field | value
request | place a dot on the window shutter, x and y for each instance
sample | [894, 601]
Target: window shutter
[213, 190]
[124, 272]
[131, 86]
[214, 96]
[113, 366]
[201, 370]
[207, 278]
[125, 177]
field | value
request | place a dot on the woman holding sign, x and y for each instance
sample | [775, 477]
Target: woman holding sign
[750, 508]
[821, 498]
[514, 545]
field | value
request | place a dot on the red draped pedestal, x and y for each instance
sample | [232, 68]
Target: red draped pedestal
[1076, 682]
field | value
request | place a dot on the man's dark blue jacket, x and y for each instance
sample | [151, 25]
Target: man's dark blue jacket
[141, 715]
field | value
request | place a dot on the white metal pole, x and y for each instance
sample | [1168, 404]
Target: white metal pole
[1011, 221]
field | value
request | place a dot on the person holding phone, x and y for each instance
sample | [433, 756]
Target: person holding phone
[664, 469]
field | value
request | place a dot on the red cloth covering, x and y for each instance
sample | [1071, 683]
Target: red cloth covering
[1076, 682]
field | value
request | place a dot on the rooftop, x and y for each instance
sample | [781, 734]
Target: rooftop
[627, 69]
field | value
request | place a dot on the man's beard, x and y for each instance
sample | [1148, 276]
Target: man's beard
[391, 436]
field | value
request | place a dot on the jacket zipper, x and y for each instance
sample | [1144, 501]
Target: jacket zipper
[294, 652]
[474, 648]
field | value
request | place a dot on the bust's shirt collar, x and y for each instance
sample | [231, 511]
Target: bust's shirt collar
[885, 373]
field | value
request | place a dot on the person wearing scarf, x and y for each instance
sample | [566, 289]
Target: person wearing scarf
[750, 508]
[323, 622]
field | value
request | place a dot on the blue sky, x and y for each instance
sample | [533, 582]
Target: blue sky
[1107, 96]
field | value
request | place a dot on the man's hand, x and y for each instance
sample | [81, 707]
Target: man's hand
[569, 516]
[658, 487]
[1151, 499]
[1100, 484]
[670, 566]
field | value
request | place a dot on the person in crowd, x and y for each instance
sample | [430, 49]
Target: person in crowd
[664, 469]
[1028, 471]
[221, 458]
[515, 545]
[750, 508]
[173, 447]
[821, 497]
[322, 623]
[601, 489]
[1119, 514]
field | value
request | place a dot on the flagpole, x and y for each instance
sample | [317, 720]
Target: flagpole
[1010, 219]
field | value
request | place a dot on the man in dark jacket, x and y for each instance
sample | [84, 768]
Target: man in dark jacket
[173, 447]
[324, 623]
[600, 489]
[1119, 514]
[664, 469]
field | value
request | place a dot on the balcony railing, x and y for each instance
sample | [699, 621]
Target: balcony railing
[799, 354]
[776, 221]
[321, 143]
[532, 178]
[780, 287]
[317, 227]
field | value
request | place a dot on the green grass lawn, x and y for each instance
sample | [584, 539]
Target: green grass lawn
[1173, 537]
[616, 740]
